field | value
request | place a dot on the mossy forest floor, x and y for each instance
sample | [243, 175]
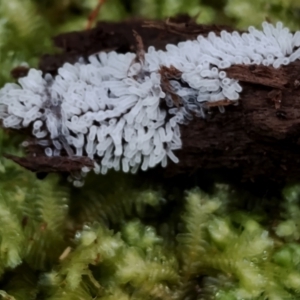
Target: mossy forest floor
[184, 234]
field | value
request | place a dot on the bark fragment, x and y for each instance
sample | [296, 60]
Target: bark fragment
[258, 74]
[44, 164]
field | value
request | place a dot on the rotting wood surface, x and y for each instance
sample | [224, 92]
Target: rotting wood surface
[259, 137]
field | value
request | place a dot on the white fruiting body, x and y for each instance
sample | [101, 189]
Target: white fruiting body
[110, 108]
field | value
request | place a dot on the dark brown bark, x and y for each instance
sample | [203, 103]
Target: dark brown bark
[120, 37]
[62, 164]
[259, 137]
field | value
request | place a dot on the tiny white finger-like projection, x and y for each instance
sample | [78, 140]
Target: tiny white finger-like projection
[114, 108]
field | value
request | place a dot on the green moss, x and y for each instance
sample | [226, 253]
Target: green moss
[253, 12]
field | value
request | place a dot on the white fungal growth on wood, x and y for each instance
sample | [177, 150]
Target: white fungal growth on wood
[114, 110]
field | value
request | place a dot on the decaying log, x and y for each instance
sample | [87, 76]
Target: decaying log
[259, 137]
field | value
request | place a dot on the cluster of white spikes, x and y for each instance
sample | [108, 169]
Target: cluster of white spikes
[114, 110]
